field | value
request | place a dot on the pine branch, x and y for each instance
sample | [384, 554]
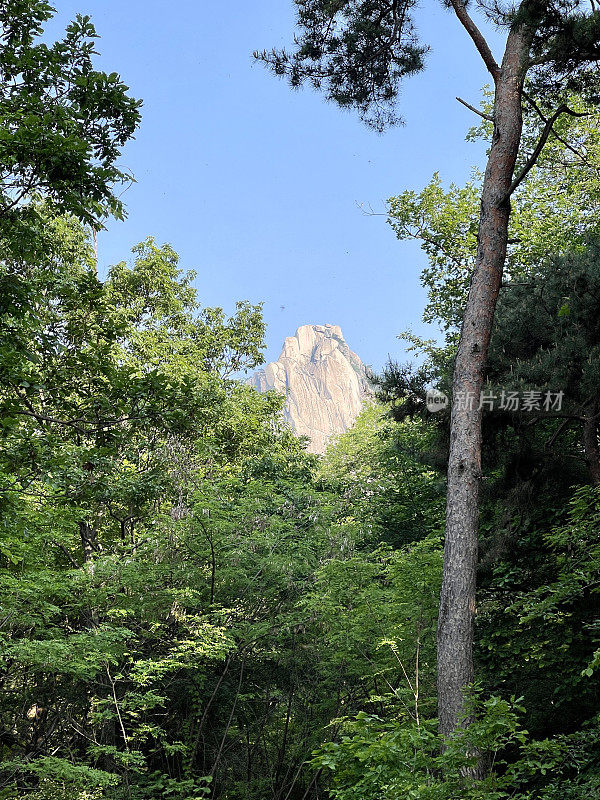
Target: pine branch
[478, 39]
[475, 110]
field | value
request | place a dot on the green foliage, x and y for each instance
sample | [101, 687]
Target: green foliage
[445, 222]
[63, 122]
[60, 779]
[378, 759]
[376, 465]
[553, 212]
[187, 602]
[375, 758]
[378, 613]
[556, 343]
[537, 616]
[549, 623]
[358, 51]
[192, 605]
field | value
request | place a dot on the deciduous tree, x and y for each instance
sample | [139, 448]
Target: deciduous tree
[63, 122]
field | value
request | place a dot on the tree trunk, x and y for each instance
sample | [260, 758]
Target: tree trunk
[590, 442]
[457, 603]
[89, 540]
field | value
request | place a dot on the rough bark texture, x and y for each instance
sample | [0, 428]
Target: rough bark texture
[457, 604]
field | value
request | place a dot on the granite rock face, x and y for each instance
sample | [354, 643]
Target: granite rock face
[325, 383]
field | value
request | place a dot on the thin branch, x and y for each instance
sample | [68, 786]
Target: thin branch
[556, 434]
[116, 702]
[17, 200]
[530, 163]
[213, 562]
[77, 423]
[237, 694]
[418, 233]
[478, 39]
[559, 138]
[475, 110]
[208, 705]
[67, 554]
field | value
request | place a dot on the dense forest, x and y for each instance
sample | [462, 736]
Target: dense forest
[191, 605]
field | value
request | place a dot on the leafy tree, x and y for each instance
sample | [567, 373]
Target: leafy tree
[545, 339]
[174, 569]
[553, 212]
[63, 122]
[105, 381]
[377, 465]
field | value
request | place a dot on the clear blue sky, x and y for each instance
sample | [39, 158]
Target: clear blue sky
[258, 187]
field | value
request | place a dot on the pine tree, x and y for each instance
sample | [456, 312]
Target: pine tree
[358, 52]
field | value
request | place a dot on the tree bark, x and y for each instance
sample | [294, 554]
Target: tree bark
[457, 602]
[590, 442]
[89, 540]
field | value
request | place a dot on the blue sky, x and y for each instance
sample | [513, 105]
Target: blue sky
[258, 187]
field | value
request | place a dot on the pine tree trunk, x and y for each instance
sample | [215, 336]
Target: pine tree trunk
[457, 603]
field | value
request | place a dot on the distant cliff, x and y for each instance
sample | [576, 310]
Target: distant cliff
[325, 383]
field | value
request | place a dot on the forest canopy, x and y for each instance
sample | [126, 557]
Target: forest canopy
[194, 606]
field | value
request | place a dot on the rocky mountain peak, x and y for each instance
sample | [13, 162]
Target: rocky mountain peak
[324, 382]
